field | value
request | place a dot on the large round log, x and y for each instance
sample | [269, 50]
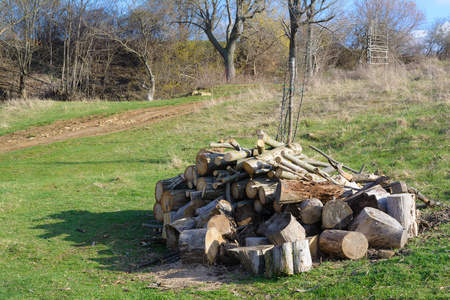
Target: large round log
[199, 245]
[402, 207]
[266, 192]
[311, 211]
[345, 244]
[252, 258]
[190, 174]
[336, 214]
[205, 163]
[174, 200]
[224, 225]
[284, 228]
[380, 229]
[174, 183]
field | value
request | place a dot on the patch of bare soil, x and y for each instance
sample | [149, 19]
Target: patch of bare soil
[91, 126]
[434, 219]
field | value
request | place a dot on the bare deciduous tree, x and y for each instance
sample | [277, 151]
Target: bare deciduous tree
[437, 41]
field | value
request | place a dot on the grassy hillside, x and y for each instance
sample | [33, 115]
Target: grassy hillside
[396, 120]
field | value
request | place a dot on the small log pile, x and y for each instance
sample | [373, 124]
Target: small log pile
[274, 210]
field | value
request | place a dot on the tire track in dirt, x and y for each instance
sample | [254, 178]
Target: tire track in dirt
[92, 126]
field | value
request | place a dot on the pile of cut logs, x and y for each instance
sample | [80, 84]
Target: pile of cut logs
[274, 210]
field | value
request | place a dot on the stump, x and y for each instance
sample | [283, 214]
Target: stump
[279, 260]
[345, 244]
[199, 245]
[380, 229]
[402, 207]
[284, 228]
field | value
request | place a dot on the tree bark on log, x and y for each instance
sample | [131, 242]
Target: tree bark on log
[402, 207]
[174, 183]
[174, 200]
[252, 258]
[237, 155]
[292, 191]
[345, 244]
[336, 214]
[158, 212]
[256, 241]
[268, 140]
[211, 209]
[311, 211]
[267, 193]
[225, 257]
[279, 260]
[205, 163]
[381, 196]
[204, 183]
[360, 200]
[245, 214]
[302, 256]
[174, 229]
[284, 228]
[380, 229]
[251, 189]
[199, 245]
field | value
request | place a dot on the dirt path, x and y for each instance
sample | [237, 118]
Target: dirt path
[91, 126]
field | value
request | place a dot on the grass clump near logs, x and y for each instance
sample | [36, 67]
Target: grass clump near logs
[104, 186]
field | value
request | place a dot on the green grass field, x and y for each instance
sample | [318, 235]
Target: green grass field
[105, 186]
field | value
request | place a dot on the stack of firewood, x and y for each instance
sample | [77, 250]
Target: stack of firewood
[273, 209]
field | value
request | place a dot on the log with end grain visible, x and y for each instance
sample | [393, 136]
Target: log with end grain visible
[211, 209]
[253, 164]
[402, 207]
[301, 256]
[238, 189]
[336, 214]
[174, 200]
[167, 219]
[251, 189]
[345, 244]
[245, 214]
[174, 183]
[237, 155]
[190, 174]
[223, 224]
[199, 245]
[380, 229]
[278, 208]
[205, 163]
[292, 191]
[267, 139]
[158, 212]
[174, 229]
[284, 228]
[204, 183]
[252, 258]
[279, 260]
[266, 192]
[313, 242]
[311, 211]
[381, 196]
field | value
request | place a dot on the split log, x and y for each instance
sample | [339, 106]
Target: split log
[336, 214]
[292, 191]
[311, 211]
[266, 192]
[211, 209]
[174, 200]
[279, 260]
[256, 241]
[380, 229]
[199, 245]
[174, 183]
[224, 225]
[158, 212]
[174, 229]
[261, 161]
[402, 207]
[313, 242]
[245, 214]
[284, 228]
[167, 219]
[238, 189]
[345, 244]
[301, 256]
[252, 258]
[381, 196]
[190, 174]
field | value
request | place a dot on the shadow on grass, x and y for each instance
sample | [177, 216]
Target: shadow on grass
[121, 232]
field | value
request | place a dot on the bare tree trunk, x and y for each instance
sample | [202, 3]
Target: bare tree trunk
[22, 90]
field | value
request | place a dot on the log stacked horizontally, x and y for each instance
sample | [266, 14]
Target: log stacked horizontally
[273, 209]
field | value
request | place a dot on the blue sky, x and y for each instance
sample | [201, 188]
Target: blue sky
[434, 9]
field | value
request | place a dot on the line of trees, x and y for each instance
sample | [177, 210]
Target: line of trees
[158, 48]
